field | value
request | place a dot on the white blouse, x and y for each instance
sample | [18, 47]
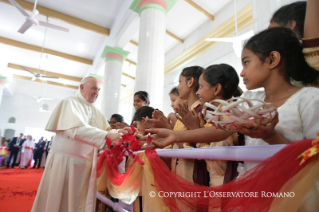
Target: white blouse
[298, 117]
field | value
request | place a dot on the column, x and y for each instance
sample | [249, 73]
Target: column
[114, 58]
[3, 68]
[3, 81]
[151, 47]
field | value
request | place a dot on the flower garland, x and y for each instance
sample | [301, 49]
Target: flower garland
[129, 143]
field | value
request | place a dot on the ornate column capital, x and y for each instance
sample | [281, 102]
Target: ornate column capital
[3, 80]
[114, 53]
[162, 5]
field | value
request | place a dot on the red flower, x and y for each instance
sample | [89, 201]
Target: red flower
[116, 153]
[149, 139]
[133, 128]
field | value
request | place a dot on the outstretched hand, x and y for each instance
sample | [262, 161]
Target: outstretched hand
[162, 137]
[114, 137]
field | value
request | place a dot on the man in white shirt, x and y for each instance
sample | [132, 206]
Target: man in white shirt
[69, 180]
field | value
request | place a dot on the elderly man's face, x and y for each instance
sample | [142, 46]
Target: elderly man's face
[90, 90]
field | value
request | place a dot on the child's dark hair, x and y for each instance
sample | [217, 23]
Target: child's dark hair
[292, 12]
[225, 75]
[143, 95]
[144, 111]
[118, 117]
[174, 91]
[284, 41]
[193, 72]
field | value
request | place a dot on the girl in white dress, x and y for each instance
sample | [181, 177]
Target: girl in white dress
[270, 59]
[26, 152]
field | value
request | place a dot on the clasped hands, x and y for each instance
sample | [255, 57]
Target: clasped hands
[190, 118]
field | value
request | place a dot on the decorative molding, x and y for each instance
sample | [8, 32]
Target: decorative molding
[164, 5]
[45, 50]
[130, 61]
[175, 37]
[64, 17]
[129, 76]
[226, 29]
[114, 53]
[3, 80]
[133, 42]
[200, 9]
[53, 74]
[42, 81]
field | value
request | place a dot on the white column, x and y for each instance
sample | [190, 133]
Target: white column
[114, 58]
[1, 92]
[151, 48]
[151, 55]
[3, 68]
[111, 88]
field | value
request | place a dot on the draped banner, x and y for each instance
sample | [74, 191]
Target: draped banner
[235, 153]
[279, 183]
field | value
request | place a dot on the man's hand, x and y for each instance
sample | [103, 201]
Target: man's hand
[115, 137]
[162, 137]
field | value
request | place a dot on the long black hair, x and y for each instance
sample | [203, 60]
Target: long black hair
[143, 95]
[143, 112]
[193, 72]
[284, 41]
[174, 91]
[118, 117]
[291, 12]
[225, 75]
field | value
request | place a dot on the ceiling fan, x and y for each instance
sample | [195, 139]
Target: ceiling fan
[31, 20]
[38, 75]
[237, 40]
[39, 99]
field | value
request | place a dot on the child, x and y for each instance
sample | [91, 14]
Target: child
[175, 101]
[140, 116]
[270, 60]
[141, 99]
[218, 82]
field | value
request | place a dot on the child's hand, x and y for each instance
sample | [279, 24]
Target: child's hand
[265, 132]
[158, 121]
[189, 118]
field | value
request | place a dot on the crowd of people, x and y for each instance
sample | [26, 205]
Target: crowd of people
[22, 150]
[274, 60]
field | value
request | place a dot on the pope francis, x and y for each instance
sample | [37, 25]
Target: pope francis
[68, 183]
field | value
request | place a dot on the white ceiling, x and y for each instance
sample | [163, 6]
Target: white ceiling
[182, 20]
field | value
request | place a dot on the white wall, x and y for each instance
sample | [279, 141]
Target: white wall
[223, 52]
[25, 109]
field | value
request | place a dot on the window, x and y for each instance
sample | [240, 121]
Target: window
[12, 120]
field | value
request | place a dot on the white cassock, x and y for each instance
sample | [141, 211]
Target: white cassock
[26, 152]
[68, 183]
